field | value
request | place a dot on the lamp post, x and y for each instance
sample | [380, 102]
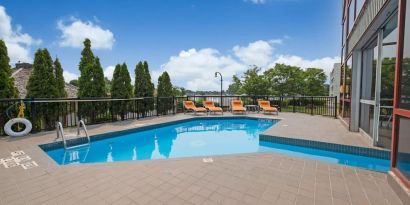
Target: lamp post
[216, 75]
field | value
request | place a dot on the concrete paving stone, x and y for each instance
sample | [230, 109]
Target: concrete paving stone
[303, 200]
[196, 199]
[256, 178]
[123, 201]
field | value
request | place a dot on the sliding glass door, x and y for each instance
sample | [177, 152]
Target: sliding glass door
[386, 87]
[368, 84]
[377, 89]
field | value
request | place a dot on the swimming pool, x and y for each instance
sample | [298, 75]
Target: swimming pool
[198, 137]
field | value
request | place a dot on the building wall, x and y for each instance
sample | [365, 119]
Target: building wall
[334, 84]
[366, 28]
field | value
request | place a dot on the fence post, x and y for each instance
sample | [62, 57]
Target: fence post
[157, 107]
[173, 105]
[112, 110]
[335, 105]
[33, 115]
[311, 105]
[280, 103]
[137, 109]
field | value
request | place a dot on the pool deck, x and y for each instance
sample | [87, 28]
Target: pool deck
[258, 178]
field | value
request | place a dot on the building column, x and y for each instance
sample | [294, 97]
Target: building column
[355, 95]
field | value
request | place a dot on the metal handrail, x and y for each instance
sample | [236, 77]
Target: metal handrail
[85, 130]
[60, 133]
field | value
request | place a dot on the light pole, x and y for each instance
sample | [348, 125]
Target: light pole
[216, 75]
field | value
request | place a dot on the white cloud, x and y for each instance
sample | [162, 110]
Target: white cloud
[256, 53]
[68, 76]
[194, 69]
[18, 43]
[109, 72]
[325, 63]
[256, 1]
[75, 31]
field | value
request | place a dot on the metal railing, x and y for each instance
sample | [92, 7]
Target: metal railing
[44, 113]
[60, 134]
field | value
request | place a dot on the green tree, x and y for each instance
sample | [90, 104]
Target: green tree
[60, 83]
[164, 89]
[140, 81]
[150, 86]
[91, 81]
[121, 88]
[314, 82]
[178, 91]
[285, 80]
[144, 87]
[164, 85]
[98, 79]
[7, 89]
[42, 82]
[255, 84]
[74, 82]
[236, 86]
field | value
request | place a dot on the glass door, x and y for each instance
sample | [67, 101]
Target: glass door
[368, 84]
[386, 86]
[377, 89]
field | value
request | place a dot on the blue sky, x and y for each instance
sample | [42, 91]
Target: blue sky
[189, 39]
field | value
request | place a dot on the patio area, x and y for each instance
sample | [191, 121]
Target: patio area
[258, 178]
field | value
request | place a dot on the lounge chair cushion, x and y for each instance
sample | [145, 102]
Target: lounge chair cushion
[238, 109]
[198, 109]
[215, 109]
[210, 106]
[270, 109]
[189, 105]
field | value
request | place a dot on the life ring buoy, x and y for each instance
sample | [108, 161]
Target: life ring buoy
[10, 123]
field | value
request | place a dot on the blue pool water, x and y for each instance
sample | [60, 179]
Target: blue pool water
[201, 137]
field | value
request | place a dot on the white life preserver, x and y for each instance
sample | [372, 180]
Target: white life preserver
[10, 123]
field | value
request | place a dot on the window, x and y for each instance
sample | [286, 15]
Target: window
[359, 5]
[402, 109]
[341, 89]
[403, 146]
[351, 16]
[388, 63]
[343, 34]
[345, 89]
[404, 94]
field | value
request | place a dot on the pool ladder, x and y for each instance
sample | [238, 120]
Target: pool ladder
[60, 133]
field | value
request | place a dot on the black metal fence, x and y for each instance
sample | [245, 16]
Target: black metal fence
[43, 113]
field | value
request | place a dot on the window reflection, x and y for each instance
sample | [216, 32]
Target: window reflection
[387, 82]
[351, 16]
[359, 5]
[403, 148]
[345, 90]
[404, 101]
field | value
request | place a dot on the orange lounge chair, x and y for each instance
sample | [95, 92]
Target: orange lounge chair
[265, 106]
[190, 106]
[210, 106]
[237, 106]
